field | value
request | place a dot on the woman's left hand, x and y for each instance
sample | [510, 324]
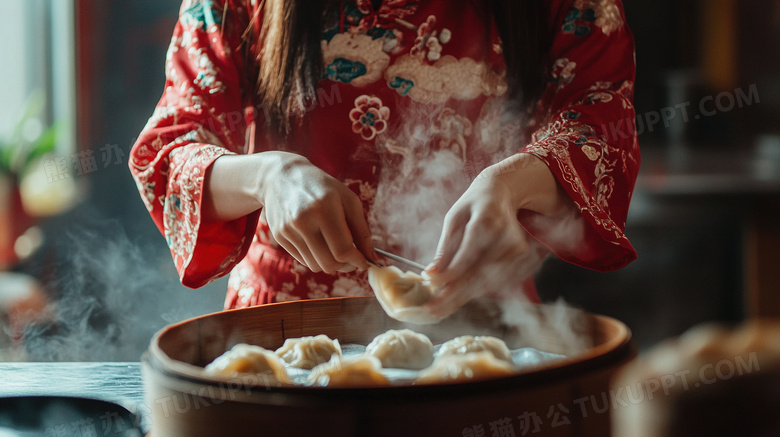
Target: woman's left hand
[483, 248]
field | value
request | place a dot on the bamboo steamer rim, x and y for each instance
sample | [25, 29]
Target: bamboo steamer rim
[617, 347]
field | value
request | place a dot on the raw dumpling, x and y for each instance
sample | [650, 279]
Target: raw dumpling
[308, 352]
[402, 294]
[461, 368]
[402, 349]
[244, 358]
[359, 371]
[468, 344]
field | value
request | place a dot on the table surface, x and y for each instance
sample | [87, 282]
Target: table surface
[114, 382]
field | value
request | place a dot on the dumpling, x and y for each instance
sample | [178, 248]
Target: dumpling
[460, 368]
[468, 344]
[402, 349]
[308, 352]
[402, 294]
[400, 289]
[359, 371]
[244, 358]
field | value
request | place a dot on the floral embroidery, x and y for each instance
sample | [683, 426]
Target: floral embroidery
[608, 16]
[317, 290]
[207, 76]
[563, 72]
[344, 70]
[584, 13]
[188, 179]
[202, 15]
[286, 294]
[590, 152]
[392, 39]
[383, 25]
[626, 92]
[348, 287]
[599, 92]
[391, 13]
[597, 97]
[593, 146]
[605, 92]
[445, 36]
[428, 44]
[148, 196]
[578, 22]
[461, 79]
[369, 117]
[401, 85]
[354, 58]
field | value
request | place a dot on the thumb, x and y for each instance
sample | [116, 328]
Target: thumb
[358, 227]
[449, 242]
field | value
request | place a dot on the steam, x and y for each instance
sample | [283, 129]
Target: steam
[412, 214]
[559, 327]
[114, 297]
[416, 188]
[413, 198]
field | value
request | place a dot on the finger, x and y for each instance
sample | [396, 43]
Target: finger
[486, 241]
[451, 236]
[475, 245]
[289, 247]
[300, 245]
[321, 252]
[348, 268]
[340, 240]
[488, 277]
[358, 227]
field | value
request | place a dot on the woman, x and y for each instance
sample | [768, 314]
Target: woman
[294, 136]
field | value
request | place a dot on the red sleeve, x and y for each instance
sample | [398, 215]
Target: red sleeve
[585, 132]
[200, 117]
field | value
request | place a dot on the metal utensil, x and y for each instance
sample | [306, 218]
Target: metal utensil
[415, 266]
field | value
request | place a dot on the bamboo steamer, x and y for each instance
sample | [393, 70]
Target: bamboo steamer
[185, 402]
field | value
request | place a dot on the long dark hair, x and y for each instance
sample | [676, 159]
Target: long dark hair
[290, 54]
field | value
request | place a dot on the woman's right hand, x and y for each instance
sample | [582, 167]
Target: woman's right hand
[313, 216]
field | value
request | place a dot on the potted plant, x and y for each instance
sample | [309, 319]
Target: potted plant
[22, 156]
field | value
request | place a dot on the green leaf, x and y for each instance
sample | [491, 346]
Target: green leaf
[46, 143]
[5, 158]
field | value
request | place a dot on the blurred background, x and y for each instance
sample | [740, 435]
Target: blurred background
[85, 275]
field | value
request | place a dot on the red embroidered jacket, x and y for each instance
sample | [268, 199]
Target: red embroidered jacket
[409, 111]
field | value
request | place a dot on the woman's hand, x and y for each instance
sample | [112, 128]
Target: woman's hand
[483, 248]
[313, 216]
[316, 218]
